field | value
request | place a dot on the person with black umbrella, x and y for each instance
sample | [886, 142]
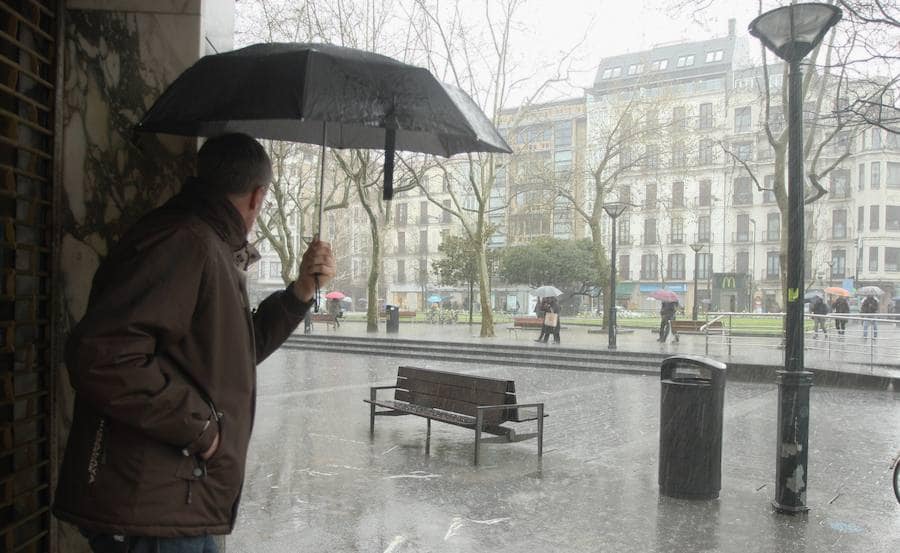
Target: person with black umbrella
[164, 363]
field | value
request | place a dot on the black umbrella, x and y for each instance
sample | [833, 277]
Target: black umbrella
[324, 94]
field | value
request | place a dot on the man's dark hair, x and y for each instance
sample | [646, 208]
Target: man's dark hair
[233, 164]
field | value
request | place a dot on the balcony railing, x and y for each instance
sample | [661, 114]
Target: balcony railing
[649, 240]
[624, 239]
[770, 236]
[649, 275]
[740, 237]
[676, 238]
[703, 238]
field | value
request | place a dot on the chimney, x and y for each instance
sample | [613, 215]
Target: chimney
[731, 23]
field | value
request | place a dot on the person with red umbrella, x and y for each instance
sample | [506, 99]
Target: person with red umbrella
[667, 309]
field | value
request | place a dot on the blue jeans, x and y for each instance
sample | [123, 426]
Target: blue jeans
[104, 543]
[873, 324]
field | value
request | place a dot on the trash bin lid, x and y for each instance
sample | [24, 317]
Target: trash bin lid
[692, 370]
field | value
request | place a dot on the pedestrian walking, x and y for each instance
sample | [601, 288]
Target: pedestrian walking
[551, 321]
[667, 315]
[164, 363]
[868, 309]
[819, 310]
[840, 306]
[540, 307]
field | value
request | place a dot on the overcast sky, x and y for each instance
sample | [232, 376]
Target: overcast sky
[616, 27]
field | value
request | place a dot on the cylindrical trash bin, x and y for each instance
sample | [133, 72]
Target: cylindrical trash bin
[690, 427]
[393, 318]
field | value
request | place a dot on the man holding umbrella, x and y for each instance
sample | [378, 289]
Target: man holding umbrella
[164, 363]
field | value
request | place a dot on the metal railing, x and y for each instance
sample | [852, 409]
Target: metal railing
[838, 336]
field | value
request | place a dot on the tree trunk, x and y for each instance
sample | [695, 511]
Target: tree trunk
[372, 288]
[600, 259]
[484, 288]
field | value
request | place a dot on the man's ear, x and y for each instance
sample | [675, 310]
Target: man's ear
[257, 197]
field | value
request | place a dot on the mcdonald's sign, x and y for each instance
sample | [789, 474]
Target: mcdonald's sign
[729, 281]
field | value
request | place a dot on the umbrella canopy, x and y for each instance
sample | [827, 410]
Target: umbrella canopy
[547, 291]
[435, 299]
[813, 294]
[870, 291]
[346, 299]
[323, 94]
[335, 295]
[664, 295]
[837, 291]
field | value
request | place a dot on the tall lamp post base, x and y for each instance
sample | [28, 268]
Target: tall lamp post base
[792, 442]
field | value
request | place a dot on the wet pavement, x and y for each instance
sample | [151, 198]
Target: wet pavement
[848, 353]
[316, 481]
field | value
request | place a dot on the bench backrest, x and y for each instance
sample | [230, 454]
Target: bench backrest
[457, 393]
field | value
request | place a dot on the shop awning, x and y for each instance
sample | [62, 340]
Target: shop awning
[624, 289]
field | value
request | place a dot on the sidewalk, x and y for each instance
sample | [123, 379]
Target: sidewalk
[316, 481]
[848, 353]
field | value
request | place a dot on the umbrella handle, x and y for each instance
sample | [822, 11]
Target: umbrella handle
[390, 139]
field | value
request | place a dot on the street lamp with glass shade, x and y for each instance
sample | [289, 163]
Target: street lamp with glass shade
[614, 210]
[696, 246]
[792, 32]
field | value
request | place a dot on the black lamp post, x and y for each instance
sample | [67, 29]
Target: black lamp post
[613, 209]
[791, 32]
[696, 246]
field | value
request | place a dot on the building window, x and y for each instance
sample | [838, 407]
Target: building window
[401, 271]
[743, 192]
[677, 194]
[607, 73]
[892, 176]
[892, 260]
[652, 156]
[838, 263]
[659, 65]
[743, 228]
[423, 212]
[742, 119]
[400, 214]
[624, 268]
[677, 236]
[705, 152]
[840, 184]
[892, 217]
[704, 195]
[401, 243]
[678, 117]
[743, 151]
[445, 213]
[715, 55]
[860, 218]
[562, 135]
[703, 234]
[625, 194]
[705, 120]
[676, 266]
[423, 241]
[650, 196]
[624, 236]
[874, 217]
[773, 265]
[649, 267]
[839, 224]
[875, 175]
[679, 154]
[876, 138]
[773, 227]
[704, 265]
[861, 181]
[636, 69]
[274, 269]
[742, 263]
[769, 192]
[873, 258]
[650, 232]
[685, 61]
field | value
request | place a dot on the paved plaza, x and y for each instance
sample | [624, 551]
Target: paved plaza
[316, 481]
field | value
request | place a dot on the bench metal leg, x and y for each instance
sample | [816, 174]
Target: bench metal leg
[428, 439]
[479, 422]
[540, 436]
[372, 412]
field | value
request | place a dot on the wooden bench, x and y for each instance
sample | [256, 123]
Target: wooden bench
[326, 318]
[475, 402]
[403, 314]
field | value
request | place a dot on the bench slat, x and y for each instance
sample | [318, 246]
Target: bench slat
[441, 377]
[459, 391]
[447, 404]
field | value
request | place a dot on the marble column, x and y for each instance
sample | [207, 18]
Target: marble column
[118, 56]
